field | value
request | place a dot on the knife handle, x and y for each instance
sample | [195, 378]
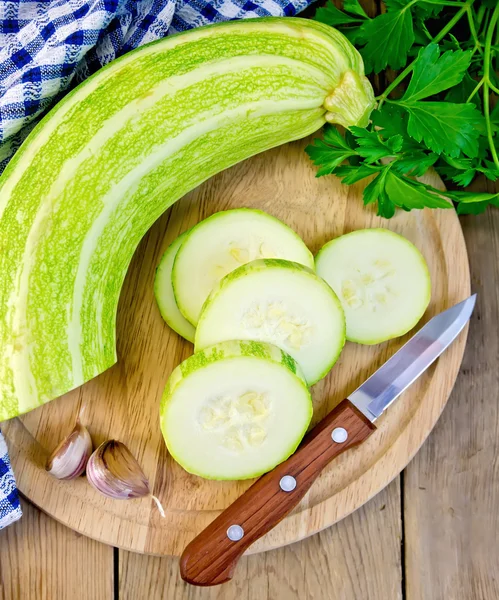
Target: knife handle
[211, 557]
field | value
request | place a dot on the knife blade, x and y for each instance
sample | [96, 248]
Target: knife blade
[211, 557]
[376, 394]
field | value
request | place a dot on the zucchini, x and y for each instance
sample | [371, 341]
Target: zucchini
[223, 242]
[279, 302]
[117, 151]
[163, 291]
[235, 410]
[382, 281]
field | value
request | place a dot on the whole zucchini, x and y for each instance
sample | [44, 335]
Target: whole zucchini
[110, 158]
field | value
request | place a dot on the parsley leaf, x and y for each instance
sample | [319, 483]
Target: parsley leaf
[393, 5]
[445, 126]
[461, 177]
[330, 15]
[391, 190]
[354, 7]
[428, 9]
[461, 93]
[372, 147]
[434, 73]
[414, 163]
[391, 118]
[389, 38]
[326, 157]
[476, 208]
[354, 35]
[327, 154]
[351, 175]
[375, 192]
[408, 194]
[459, 170]
[474, 203]
[490, 171]
[333, 136]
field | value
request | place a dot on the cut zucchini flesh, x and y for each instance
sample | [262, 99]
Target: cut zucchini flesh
[235, 410]
[279, 302]
[382, 281]
[163, 290]
[223, 242]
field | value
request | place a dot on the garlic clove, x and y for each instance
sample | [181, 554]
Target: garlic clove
[113, 471]
[70, 458]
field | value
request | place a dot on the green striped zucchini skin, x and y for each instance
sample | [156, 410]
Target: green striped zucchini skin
[120, 149]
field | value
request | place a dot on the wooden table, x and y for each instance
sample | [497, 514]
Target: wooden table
[432, 534]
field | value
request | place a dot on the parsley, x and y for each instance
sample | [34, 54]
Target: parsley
[440, 110]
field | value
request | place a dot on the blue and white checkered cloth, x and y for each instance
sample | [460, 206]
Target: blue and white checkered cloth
[50, 45]
[10, 509]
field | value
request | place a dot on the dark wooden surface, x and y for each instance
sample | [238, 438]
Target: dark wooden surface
[211, 558]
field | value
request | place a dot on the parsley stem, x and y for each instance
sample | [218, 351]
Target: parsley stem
[475, 89]
[487, 84]
[445, 3]
[474, 35]
[436, 39]
[480, 14]
[485, 20]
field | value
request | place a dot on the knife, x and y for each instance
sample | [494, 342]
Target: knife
[211, 557]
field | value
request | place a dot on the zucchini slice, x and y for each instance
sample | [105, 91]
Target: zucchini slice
[163, 290]
[382, 281]
[223, 242]
[235, 410]
[279, 302]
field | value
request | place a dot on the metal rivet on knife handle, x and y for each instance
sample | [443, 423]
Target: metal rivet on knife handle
[235, 533]
[339, 435]
[287, 483]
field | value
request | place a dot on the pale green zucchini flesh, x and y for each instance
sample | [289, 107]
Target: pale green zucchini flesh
[235, 410]
[109, 159]
[163, 291]
[280, 302]
[224, 242]
[382, 281]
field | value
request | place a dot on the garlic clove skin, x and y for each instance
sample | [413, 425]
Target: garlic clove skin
[113, 471]
[70, 457]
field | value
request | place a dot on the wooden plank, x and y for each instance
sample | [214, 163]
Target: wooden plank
[451, 489]
[43, 560]
[356, 558]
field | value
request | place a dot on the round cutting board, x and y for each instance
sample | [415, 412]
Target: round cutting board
[123, 403]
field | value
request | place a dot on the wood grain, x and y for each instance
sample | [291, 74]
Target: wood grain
[43, 560]
[451, 489]
[123, 403]
[211, 557]
[356, 559]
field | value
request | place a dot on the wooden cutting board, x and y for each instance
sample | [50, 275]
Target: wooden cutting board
[123, 403]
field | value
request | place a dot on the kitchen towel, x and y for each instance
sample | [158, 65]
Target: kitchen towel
[10, 509]
[47, 47]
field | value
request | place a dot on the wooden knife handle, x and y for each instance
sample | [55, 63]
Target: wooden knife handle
[211, 557]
